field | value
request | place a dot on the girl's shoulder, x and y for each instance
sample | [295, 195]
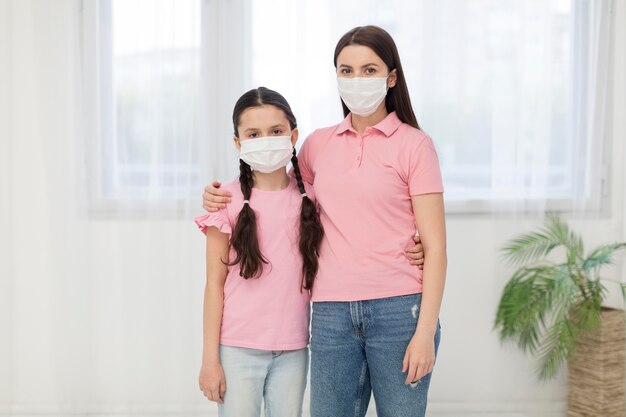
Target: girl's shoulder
[233, 208]
[234, 187]
[308, 189]
[223, 219]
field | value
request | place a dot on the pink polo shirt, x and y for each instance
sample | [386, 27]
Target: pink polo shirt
[363, 186]
[269, 312]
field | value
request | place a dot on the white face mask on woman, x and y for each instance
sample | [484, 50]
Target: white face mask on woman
[362, 95]
[266, 154]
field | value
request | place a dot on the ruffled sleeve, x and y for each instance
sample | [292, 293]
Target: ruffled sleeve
[217, 219]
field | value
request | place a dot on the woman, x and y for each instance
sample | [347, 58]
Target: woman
[375, 175]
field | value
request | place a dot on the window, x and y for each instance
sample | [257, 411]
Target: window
[505, 88]
[510, 91]
[148, 55]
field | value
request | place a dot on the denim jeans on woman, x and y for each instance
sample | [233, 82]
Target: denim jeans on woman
[358, 347]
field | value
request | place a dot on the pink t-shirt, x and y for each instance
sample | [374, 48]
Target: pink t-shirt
[269, 312]
[363, 186]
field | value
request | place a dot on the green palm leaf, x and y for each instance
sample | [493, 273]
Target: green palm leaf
[557, 346]
[532, 246]
[529, 247]
[544, 307]
[602, 255]
[526, 300]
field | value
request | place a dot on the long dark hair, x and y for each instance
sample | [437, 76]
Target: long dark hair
[245, 239]
[381, 42]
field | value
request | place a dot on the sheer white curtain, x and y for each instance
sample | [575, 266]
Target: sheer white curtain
[101, 269]
[96, 315]
[159, 78]
[512, 92]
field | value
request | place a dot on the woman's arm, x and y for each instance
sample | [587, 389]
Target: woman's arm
[430, 221]
[212, 380]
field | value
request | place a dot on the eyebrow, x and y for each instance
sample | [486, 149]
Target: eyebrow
[363, 66]
[252, 129]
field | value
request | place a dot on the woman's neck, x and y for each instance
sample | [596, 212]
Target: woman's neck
[360, 123]
[274, 181]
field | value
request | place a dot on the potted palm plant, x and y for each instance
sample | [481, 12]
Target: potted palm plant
[554, 311]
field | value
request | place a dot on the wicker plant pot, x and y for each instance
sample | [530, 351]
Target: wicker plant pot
[596, 373]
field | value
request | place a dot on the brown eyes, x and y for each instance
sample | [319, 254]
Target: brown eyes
[274, 132]
[368, 71]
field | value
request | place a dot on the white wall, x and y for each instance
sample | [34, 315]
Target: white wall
[475, 375]
[5, 216]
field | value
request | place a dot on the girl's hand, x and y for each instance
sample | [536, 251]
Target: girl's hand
[414, 252]
[213, 382]
[419, 358]
[213, 198]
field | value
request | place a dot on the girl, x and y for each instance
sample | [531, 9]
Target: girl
[375, 324]
[256, 302]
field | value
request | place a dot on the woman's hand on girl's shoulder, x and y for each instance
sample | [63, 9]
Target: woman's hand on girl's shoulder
[213, 382]
[215, 198]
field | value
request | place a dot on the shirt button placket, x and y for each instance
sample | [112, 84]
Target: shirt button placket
[359, 157]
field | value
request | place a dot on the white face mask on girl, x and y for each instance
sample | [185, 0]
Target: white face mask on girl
[362, 95]
[266, 154]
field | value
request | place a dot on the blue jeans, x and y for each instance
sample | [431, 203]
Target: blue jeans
[358, 347]
[277, 378]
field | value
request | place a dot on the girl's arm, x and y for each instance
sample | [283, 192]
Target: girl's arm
[212, 380]
[430, 221]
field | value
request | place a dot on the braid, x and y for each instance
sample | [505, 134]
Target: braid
[245, 240]
[296, 171]
[311, 231]
[245, 179]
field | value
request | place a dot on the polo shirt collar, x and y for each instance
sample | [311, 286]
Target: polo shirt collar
[345, 125]
[387, 126]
